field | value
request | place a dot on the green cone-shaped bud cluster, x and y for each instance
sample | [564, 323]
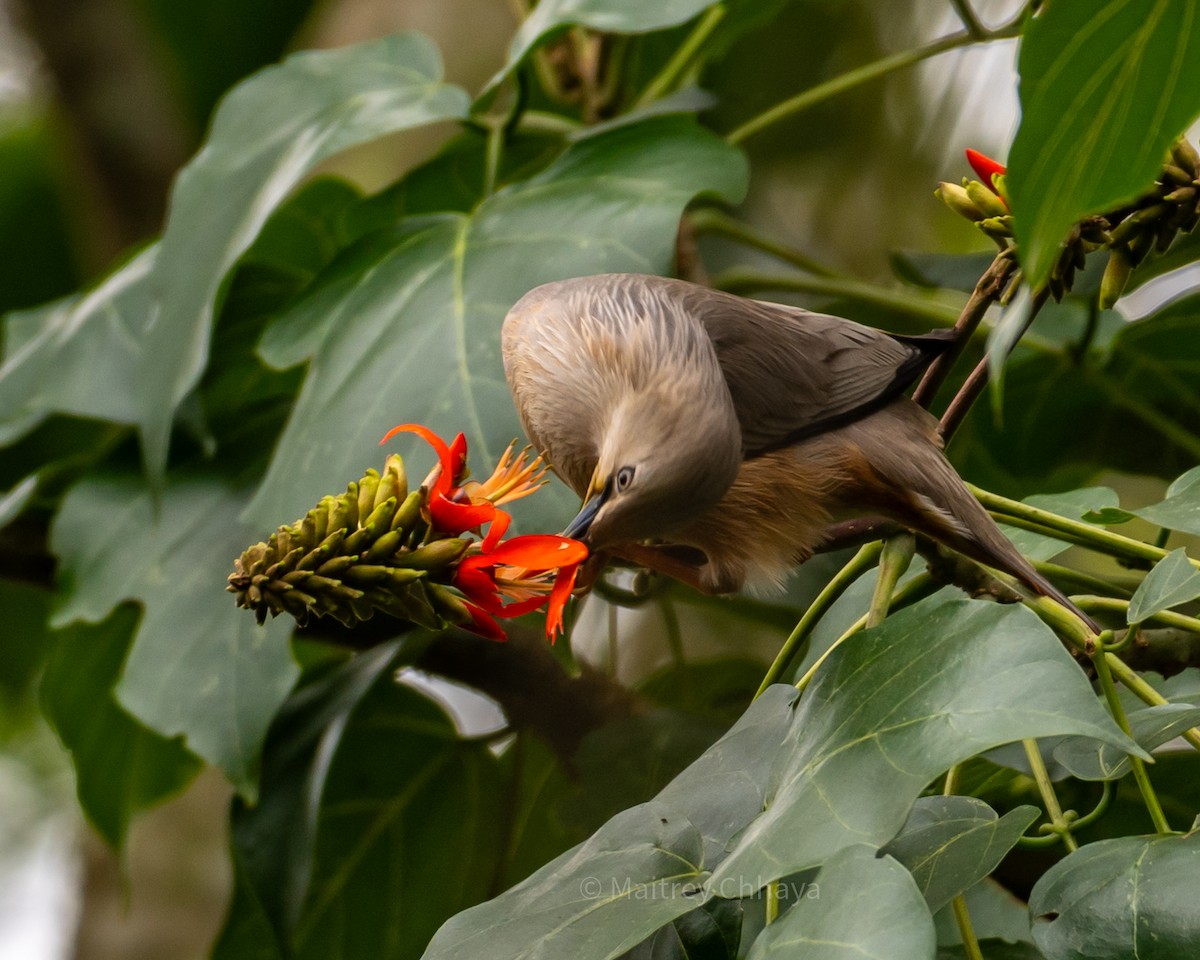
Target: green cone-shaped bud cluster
[352, 555]
[1154, 220]
[1170, 207]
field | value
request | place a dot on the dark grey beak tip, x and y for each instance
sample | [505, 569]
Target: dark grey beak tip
[578, 528]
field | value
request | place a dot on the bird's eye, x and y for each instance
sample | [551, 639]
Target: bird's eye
[624, 479]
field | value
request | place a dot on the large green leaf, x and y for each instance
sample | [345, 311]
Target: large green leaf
[1133, 897]
[1150, 727]
[895, 706]
[950, 843]
[199, 666]
[710, 932]
[273, 838]
[418, 322]
[1105, 88]
[1071, 505]
[79, 355]
[642, 869]
[609, 16]
[1172, 581]
[120, 766]
[868, 907]
[1181, 508]
[406, 830]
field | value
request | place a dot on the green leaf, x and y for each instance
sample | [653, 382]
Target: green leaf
[607, 16]
[1108, 516]
[642, 869]
[710, 932]
[1181, 509]
[1151, 727]
[25, 645]
[80, 355]
[951, 843]
[1118, 899]
[419, 323]
[405, 832]
[1071, 505]
[1003, 337]
[894, 707]
[1105, 89]
[993, 950]
[869, 907]
[199, 666]
[121, 768]
[273, 838]
[13, 501]
[996, 915]
[1172, 581]
[315, 104]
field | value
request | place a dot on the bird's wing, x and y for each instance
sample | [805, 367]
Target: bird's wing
[793, 373]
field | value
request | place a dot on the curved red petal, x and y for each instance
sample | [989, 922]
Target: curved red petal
[458, 457]
[521, 607]
[539, 551]
[451, 517]
[985, 167]
[484, 624]
[474, 580]
[564, 583]
[445, 457]
[499, 527]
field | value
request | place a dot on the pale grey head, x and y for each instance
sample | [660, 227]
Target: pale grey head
[619, 385]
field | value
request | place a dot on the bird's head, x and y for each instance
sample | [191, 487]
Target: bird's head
[663, 459]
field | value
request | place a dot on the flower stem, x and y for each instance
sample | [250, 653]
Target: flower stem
[682, 59]
[966, 929]
[894, 561]
[1061, 825]
[1022, 515]
[858, 564]
[713, 221]
[1149, 797]
[925, 309]
[864, 74]
[1168, 618]
[1056, 571]
[969, 20]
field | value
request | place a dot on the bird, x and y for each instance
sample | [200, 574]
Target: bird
[716, 438]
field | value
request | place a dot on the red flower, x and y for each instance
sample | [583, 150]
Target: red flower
[986, 168]
[519, 569]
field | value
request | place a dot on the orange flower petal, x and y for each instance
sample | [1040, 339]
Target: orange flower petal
[451, 517]
[458, 457]
[445, 456]
[563, 585]
[539, 551]
[985, 167]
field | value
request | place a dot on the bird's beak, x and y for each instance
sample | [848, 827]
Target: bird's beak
[597, 493]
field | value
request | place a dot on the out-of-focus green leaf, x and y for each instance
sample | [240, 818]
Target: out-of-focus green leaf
[216, 43]
[897, 705]
[710, 932]
[405, 831]
[950, 843]
[418, 329]
[247, 934]
[121, 768]
[947, 271]
[721, 687]
[13, 501]
[1150, 727]
[199, 666]
[273, 838]
[1140, 401]
[642, 869]
[608, 16]
[994, 950]
[869, 907]
[1104, 91]
[78, 356]
[1181, 509]
[36, 256]
[1071, 505]
[1118, 899]
[996, 915]
[25, 643]
[1172, 581]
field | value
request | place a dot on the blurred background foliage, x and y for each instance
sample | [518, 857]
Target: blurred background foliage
[102, 102]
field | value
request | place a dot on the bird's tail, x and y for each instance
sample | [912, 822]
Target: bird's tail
[934, 500]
